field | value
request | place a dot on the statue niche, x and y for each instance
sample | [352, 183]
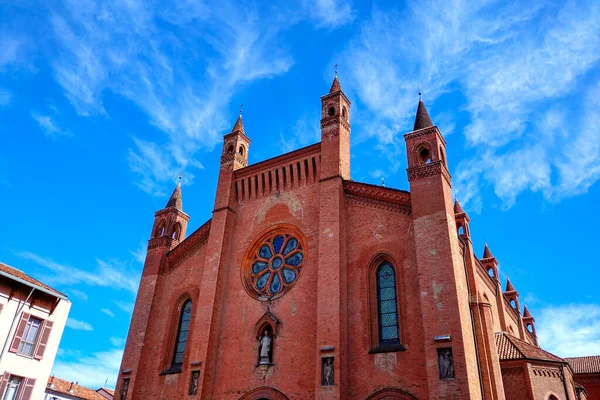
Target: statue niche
[266, 332]
[265, 346]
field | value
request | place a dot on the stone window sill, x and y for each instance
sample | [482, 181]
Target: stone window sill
[388, 348]
[173, 369]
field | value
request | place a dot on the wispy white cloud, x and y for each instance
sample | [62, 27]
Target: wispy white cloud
[117, 341]
[112, 274]
[126, 306]
[48, 125]
[304, 132]
[108, 312]
[570, 330]
[139, 254]
[523, 75]
[79, 325]
[12, 49]
[329, 14]
[182, 77]
[79, 294]
[91, 371]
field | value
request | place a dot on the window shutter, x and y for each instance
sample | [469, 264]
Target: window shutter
[43, 340]
[14, 346]
[27, 389]
[3, 382]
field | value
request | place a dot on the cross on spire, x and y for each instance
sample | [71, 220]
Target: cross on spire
[335, 67]
[241, 108]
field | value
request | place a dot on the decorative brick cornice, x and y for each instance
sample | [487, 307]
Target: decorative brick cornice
[337, 119]
[431, 169]
[547, 372]
[335, 94]
[229, 159]
[196, 239]
[378, 197]
[236, 133]
[159, 242]
[424, 132]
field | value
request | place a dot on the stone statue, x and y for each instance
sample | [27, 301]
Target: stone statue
[265, 348]
[328, 371]
[446, 363]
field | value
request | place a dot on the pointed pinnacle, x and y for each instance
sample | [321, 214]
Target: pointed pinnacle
[457, 208]
[509, 286]
[486, 252]
[335, 86]
[239, 125]
[175, 200]
[422, 119]
[526, 313]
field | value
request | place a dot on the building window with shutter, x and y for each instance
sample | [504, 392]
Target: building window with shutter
[31, 336]
[13, 387]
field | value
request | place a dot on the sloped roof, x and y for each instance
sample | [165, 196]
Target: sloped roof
[584, 365]
[512, 348]
[422, 119]
[486, 252]
[335, 86]
[457, 208]
[58, 385]
[175, 199]
[7, 269]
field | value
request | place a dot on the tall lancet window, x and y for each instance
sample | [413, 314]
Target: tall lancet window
[387, 305]
[182, 332]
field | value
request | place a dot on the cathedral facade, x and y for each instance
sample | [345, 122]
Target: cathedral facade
[305, 284]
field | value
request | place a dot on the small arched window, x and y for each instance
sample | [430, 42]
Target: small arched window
[177, 231]
[387, 305]
[182, 333]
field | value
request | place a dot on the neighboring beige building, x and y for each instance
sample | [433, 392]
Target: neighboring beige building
[32, 320]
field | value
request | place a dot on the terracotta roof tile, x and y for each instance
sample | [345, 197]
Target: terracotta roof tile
[23, 276]
[585, 365]
[79, 392]
[513, 348]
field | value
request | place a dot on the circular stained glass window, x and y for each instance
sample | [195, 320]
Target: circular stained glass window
[273, 262]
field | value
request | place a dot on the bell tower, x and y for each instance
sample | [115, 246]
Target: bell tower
[335, 133]
[168, 231]
[443, 283]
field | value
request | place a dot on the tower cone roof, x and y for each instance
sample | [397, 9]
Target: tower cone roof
[457, 208]
[486, 251]
[335, 86]
[239, 125]
[175, 200]
[509, 286]
[422, 120]
[526, 313]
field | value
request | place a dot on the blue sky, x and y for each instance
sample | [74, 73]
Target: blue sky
[104, 103]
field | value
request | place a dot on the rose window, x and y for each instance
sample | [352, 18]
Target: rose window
[274, 262]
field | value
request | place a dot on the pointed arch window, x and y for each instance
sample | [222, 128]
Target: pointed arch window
[387, 305]
[182, 333]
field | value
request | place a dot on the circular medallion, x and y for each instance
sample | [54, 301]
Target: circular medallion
[273, 262]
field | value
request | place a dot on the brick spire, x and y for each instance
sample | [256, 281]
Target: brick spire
[526, 313]
[175, 200]
[457, 208]
[422, 120]
[239, 125]
[486, 252]
[335, 86]
[509, 286]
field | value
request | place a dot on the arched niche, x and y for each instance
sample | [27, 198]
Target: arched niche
[391, 394]
[264, 392]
